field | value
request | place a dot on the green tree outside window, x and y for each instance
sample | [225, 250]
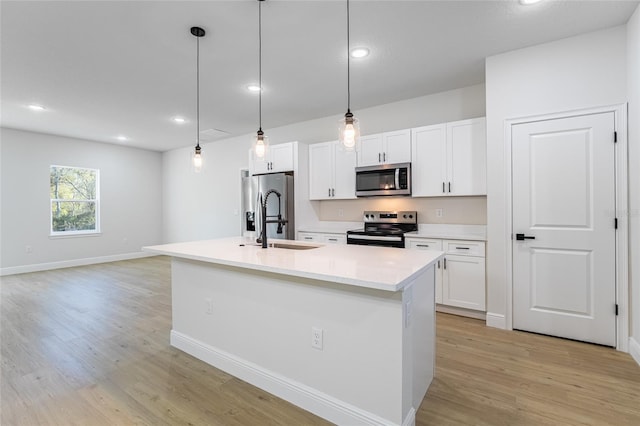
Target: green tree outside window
[74, 200]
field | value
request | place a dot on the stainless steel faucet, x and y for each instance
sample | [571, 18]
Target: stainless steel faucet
[280, 221]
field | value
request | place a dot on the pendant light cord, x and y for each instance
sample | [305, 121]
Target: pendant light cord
[348, 63]
[197, 92]
[260, 63]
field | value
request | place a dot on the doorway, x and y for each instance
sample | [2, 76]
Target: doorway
[565, 245]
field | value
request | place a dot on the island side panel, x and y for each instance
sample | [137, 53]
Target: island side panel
[265, 320]
[420, 334]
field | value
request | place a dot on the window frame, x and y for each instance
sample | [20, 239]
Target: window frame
[96, 200]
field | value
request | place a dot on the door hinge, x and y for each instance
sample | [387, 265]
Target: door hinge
[615, 137]
[615, 223]
[616, 309]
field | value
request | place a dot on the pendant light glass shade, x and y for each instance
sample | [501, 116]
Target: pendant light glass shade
[261, 145]
[261, 142]
[349, 126]
[196, 158]
[349, 131]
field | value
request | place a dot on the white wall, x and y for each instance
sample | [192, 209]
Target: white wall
[574, 73]
[130, 189]
[633, 93]
[206, 205]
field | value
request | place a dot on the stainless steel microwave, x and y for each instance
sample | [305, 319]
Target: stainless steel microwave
[384, 179]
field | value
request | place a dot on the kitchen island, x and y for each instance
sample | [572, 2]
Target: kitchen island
[346, 332]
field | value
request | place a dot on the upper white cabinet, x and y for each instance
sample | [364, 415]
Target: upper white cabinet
[331, 172]
[429, 166]
[450, 159]
[278, 158]
[385, 148]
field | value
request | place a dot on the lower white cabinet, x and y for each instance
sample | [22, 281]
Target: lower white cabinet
[427, 244]
[460, 276]
[323, 238]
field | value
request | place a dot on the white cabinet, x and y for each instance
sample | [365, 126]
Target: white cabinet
[278, 158]
[385, 148]
[460, 276]
[449, 159]
[325, 238]
[427, 244]
[331, 172]
[429, 166]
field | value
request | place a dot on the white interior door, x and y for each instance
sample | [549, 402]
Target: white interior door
[563, 173]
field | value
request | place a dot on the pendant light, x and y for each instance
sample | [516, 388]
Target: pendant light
[197, 155]
[261, 143]
[349, 127]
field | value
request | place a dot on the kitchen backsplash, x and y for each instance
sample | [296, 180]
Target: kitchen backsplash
[455, 210]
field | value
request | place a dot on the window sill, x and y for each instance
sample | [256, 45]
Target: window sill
[75, 234]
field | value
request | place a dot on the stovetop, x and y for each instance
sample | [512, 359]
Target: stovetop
[380, 223]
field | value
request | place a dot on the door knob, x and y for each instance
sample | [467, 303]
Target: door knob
[522, 237]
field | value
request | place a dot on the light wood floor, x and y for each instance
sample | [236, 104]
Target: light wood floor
[90, 346]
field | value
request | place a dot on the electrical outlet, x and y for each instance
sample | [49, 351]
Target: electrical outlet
[209, 305]
[439, 213]
[316, 337]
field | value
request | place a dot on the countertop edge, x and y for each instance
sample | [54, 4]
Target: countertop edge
[302, 274]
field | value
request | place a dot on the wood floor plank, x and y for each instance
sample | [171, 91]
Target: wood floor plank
[90, 346]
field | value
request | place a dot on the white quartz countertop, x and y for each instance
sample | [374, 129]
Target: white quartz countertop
[450, 232]
[381, 268]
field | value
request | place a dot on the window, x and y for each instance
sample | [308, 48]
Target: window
[75, 197]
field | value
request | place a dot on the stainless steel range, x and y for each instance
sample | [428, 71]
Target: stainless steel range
[384, 228]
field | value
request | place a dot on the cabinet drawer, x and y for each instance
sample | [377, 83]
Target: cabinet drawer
[469, 248]
[304, 236]
[334, 238]
[423, 244]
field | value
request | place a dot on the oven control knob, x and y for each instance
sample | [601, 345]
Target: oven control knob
[404, 216]
[410, 216]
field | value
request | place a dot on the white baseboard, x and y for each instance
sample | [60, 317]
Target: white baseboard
[71, 263]
[496, 320]
[634, 349]
[469, 313]
[303, 396]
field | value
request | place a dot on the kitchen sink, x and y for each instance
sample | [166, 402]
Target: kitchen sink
[287, 246]
[292, 246]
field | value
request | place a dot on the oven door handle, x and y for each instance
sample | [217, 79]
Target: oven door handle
[397, 178]
[373, 237]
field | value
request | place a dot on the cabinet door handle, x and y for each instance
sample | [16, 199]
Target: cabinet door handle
[329, 192]
[379, 156]
[308, 238]
[462, 248]
[333, 239]
[443, 191]
[384, 156]
[449, 186]
[444, 262]
[333, 192]
[422, 245]
[438, 264]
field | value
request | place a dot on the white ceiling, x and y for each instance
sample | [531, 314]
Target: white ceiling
[109, 68]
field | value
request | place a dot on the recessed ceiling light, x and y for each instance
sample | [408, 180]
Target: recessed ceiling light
[179, 119]
[253, 88]
[122, 138]
[35, 107]
[529, 2]
[359, 52]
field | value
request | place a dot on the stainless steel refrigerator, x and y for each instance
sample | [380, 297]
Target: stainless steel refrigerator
[255, 187]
